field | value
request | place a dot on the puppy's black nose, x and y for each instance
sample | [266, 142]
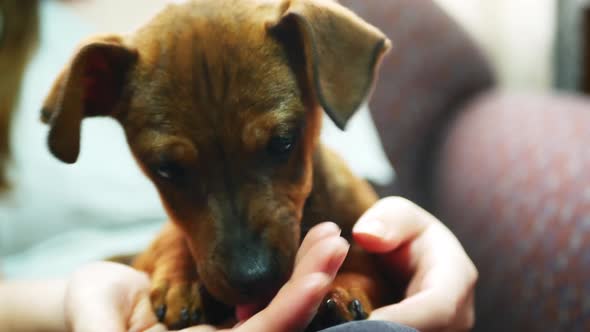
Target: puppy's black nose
[254, 272]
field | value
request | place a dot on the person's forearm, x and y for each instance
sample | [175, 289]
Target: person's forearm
[32, 306]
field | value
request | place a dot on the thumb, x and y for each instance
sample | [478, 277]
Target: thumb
[97, 317]
[105, 296]
[389, 223]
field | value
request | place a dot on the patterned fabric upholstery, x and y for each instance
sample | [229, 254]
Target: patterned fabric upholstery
[432, 69]
[512, 182]
[508, 174]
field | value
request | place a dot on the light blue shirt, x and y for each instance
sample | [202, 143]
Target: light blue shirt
[59, 216]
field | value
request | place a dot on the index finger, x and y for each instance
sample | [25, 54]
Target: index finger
[297, 302]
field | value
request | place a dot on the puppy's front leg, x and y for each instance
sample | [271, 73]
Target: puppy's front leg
[178, 298]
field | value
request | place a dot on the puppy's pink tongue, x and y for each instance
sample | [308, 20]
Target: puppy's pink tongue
[245, 311]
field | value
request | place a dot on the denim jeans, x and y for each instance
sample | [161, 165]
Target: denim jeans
[369, 326]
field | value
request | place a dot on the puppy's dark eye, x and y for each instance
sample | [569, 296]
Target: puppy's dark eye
[281, 146]
[169, 171]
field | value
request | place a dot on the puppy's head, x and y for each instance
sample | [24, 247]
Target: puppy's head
[221, 105]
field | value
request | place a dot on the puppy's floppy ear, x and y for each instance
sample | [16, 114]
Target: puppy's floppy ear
[341, 52]
[91, 85]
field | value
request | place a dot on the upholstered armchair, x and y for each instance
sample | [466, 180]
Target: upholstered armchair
[507, 173]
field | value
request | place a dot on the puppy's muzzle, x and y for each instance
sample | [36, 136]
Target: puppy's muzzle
[253, 270]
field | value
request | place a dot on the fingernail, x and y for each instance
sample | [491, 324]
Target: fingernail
[372, 227]
[332, 227]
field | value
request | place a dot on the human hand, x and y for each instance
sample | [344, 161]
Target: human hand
[113, 297]
[106, 296]
[440, 294]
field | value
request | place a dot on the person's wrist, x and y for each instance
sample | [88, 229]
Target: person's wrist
[32, 306]
[55, 315]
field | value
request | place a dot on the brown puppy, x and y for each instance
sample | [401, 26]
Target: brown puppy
[221, 102]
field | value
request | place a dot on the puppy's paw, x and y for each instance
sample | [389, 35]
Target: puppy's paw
[177, 304]
[340, 306]
[183, 304]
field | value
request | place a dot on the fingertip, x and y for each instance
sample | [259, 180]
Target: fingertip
[324, 256]
[370, 226]
[328, 227]
[374, 238]
[332, 251]
[389, 223]
[315, 235]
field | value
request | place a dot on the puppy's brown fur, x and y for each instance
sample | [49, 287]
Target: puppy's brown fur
[221, 102]
[18, 37]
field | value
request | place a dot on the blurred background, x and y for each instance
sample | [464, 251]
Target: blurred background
[482, 109]
[508, 30]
